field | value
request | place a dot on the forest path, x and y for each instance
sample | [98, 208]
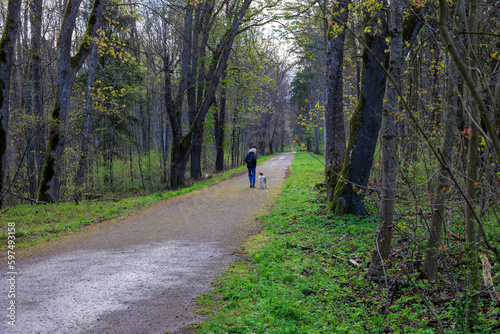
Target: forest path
[139, 274]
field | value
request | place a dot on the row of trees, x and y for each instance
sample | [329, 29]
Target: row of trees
[429, 71]
[412, 86]
[104, 86]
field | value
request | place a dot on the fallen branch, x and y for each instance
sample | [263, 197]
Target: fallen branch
[456, 237]
[100, 200]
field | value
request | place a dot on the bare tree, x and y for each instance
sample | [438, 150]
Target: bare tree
[390, 112]
[7, 46]
[68, 66]
[181, 144]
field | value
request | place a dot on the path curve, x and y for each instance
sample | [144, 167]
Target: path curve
[139, 274]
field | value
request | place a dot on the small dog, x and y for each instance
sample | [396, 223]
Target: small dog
[262, 180]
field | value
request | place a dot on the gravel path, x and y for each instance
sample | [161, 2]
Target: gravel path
[138, 274]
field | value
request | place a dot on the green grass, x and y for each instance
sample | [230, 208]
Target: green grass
[40, 223]
[296, 279]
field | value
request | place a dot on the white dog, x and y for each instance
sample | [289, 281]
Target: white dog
[262, 180]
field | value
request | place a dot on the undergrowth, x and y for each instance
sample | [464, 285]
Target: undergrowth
[306, 273]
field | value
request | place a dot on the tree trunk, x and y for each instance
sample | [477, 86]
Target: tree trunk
[364, 127]
[389, 145]
[440, 190]
[36, 145]
[234, 145]
[196, 82]
[67, 67]
[316, 139]
[471, 231]
[220, 115]
[177, 162]
[334, 113]
[164, 147]
[82, 162]
[196, 150]
[261, 146]
[7, 45]
[471, 246]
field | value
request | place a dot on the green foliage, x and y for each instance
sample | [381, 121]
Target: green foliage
[296, 277]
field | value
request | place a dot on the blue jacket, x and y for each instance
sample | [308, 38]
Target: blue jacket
[251, 160]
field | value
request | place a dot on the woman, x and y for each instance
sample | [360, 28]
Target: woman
[251, 160]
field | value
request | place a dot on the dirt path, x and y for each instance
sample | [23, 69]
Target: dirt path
[139, 274]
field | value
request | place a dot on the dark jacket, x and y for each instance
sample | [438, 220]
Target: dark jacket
[251, 160]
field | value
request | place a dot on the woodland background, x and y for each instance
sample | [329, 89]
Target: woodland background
[402, 98]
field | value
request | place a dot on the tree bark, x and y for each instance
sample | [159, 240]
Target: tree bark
[219, 125]
[390, 112]
[234, 142]
[334, 111]
[177, 162]
[7, 45]
[316, 136]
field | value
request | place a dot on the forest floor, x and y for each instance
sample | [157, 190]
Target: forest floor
[139, 274]
[306, 272]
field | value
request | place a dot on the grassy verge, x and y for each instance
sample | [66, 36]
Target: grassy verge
[40, 223]
[306, 274]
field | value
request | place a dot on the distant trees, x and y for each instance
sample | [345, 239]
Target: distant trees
[308, 90]
[128, 105]
[208, 81]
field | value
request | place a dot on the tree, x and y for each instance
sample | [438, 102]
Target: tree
[334, 109]
[181, 144]
[68, 66]
[390, 111]
[7, 44]
[219, 117]
[35, 95]
[478, 115]
[442, 184]
[365, 121]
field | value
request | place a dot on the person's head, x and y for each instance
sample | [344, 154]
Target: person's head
[253, 150]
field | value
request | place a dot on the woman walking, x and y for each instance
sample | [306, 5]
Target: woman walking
[251, 160]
